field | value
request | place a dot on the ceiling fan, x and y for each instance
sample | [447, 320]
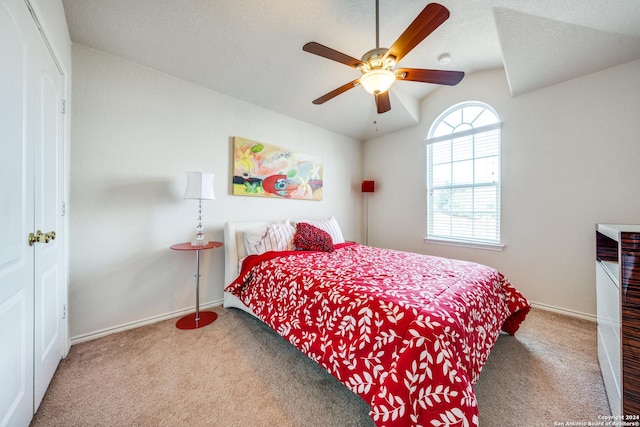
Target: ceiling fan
[378, 66]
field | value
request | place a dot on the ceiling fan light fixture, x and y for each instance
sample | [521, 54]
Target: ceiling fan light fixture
[377, 80]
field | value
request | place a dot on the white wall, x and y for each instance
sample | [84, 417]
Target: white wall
[135, 132]
[570, 159]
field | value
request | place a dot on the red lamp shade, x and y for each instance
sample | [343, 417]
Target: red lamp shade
[368, 186]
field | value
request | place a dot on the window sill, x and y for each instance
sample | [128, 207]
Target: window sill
[486, 246]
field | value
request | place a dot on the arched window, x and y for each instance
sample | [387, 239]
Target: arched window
[463, 175]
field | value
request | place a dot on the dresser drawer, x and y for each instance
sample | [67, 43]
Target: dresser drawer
[609, 349]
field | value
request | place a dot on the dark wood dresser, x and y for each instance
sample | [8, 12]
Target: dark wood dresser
[618, 305]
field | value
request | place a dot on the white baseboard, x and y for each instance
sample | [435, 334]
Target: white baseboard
[567, 312]
[142, 322]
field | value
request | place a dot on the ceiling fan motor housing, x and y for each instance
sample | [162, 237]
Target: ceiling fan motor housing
[375, 58]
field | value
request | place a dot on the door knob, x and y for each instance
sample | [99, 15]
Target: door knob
[34, 237]
[41, 237]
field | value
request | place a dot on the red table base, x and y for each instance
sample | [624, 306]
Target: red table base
[189, 321]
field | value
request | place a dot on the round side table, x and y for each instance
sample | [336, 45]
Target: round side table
[199, 318]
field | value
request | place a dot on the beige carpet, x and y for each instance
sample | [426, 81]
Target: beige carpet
[237, 372]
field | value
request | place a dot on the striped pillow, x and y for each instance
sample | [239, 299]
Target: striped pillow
[276, 237]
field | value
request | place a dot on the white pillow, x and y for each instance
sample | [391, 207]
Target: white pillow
[330, 225]
[276, 237]
[252, 237]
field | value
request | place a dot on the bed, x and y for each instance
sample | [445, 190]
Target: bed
[407, 332]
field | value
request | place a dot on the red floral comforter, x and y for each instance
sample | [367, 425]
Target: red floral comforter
[409, 333]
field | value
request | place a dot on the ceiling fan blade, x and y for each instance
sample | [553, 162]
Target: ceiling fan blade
[334, 55]
[336, 92]
[382, 102]
[431, 17]
[441, 77]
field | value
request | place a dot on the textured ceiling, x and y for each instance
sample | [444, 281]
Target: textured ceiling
[252, 49]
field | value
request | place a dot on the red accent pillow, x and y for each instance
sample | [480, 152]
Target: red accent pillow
[310, 238]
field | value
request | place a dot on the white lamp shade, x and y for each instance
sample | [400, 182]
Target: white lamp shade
[377, 80]
[200, 186]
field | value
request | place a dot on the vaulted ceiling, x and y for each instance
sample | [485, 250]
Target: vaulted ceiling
[252, 49]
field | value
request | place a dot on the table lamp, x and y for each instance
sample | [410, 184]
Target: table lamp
[199, 187]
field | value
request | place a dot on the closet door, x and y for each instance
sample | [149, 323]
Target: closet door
[16, 216]
[49, 283]
[32, 276]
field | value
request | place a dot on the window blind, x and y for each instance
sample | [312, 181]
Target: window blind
[463, 183]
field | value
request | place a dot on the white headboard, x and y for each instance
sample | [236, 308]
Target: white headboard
[234, 249]
[234, 245]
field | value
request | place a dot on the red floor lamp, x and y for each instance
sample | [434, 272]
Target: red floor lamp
[367, 187]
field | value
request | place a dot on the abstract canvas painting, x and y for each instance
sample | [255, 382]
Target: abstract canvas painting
[264, 170]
